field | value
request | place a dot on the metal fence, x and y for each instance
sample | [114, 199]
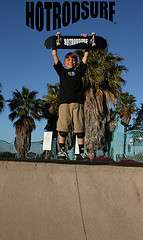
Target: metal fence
[133, 147]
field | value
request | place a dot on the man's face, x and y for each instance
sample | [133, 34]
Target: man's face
[70, 62]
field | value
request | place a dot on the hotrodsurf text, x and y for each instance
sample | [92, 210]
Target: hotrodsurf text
[50, 15]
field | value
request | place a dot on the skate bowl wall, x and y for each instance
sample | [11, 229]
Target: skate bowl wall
[48, 201]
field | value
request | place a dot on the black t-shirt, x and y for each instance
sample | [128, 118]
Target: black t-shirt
[71, 85]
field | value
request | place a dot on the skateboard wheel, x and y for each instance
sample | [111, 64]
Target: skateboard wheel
[84, 35]
[58, 33]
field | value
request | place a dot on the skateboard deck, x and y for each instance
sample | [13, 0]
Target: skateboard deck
[75, 42]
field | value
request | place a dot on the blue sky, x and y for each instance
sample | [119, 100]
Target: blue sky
[25, 62]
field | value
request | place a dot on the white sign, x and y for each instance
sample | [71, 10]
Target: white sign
[47, 141]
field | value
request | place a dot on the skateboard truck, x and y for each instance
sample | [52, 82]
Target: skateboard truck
[58, 41]
[93, 39]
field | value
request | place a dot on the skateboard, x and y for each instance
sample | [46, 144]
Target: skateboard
[76, 42]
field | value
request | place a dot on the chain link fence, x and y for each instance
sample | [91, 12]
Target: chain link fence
[124, 146]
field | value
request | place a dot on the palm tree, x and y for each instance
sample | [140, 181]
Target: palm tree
[125, 108]
[50, 107]
[138, 120]
[1, 101]
[103, 82]
[25, 110]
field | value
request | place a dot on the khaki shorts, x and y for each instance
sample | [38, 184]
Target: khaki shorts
[71, 114]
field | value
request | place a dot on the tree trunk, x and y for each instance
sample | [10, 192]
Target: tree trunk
[95, 110]
[22, 141]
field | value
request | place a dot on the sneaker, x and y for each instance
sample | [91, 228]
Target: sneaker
[62, 155]
[82, 156]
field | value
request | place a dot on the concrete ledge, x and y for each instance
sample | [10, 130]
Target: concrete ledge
[45, 201]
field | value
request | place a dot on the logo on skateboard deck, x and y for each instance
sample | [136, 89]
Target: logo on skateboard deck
[52, 15]
[74, 41]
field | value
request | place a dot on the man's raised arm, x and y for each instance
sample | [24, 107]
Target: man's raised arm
[55, 56]
[85, 57]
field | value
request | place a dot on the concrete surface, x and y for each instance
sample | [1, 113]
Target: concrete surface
[70, 202]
